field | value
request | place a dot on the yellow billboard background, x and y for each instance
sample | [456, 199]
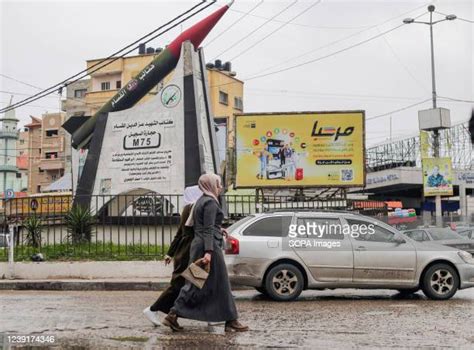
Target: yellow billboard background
[437, 176]
[318, 149]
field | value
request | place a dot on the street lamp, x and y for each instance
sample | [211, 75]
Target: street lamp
[431, 23]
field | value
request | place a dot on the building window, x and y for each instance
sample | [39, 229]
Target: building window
[21, 153]
[51, 155]
[118, 84]
[40, 170]
[22, 142]
[51, 133]
[105, 85]
[39, 150]
[18, 175]
[38, 188]
[54, 177]
[238, 103]
[80, 93]
[223, 98]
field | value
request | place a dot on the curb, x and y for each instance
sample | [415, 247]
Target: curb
[90, 285]
[86, 285]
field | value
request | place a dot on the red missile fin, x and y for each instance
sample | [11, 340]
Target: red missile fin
[197, 32]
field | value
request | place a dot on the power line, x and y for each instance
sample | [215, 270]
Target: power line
[326, 94]
[404, 66]
[276, 30]
[35, 106]
[300, 24]
[459, 18]
[19, 81]
[342, 39]
[398, 110]
[255, 30]
[65, 97]
[456, 99]
[234, 23]
[326, 56]
[315, 59]
[112, 56]
[19, 93]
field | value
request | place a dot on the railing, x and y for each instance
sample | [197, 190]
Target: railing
[130, 227]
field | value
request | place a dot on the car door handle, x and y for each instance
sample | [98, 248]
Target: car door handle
[361, 249]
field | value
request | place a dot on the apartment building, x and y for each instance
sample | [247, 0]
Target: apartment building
[46, 145]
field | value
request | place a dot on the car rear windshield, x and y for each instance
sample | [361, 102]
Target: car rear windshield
[439, 234]
[239, 223]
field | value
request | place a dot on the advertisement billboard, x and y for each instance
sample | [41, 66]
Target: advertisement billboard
[437, 176]
[300, 149]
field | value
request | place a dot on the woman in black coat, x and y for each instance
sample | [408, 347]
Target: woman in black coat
[179, 252]
[214, 302]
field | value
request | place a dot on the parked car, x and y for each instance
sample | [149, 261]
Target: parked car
[466, 232]
[258, 255]
[444, 236]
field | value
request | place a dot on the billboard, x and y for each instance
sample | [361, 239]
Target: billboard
[437, 176]
[311, 149]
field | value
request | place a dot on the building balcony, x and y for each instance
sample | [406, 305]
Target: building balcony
[53, 143]
[4, 134]
[51, 164]
[8, 168]
[96, 99]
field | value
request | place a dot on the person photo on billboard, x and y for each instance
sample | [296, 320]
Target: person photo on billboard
[291, 165]
[436, 179]
[263, 156]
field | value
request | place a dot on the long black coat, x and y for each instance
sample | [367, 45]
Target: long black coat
[214, 302]
[179, 251]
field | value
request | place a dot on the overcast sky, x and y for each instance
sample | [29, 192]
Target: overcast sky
[43, 42]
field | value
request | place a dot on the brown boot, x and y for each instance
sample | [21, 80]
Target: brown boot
[171, 320]
[235, 326]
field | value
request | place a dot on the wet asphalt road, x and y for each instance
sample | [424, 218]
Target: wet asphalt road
[318, 320]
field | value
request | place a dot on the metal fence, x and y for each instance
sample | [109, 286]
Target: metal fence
[130, 227]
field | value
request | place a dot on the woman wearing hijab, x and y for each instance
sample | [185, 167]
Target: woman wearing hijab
[179, 253]
[214, 302]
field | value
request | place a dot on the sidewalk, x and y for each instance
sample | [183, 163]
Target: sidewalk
[86, 284]
[156, 284]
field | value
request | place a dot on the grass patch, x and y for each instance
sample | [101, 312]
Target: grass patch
[98, 251]
[134, 339]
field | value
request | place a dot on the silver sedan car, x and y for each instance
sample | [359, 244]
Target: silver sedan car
[444, 236]
[283, 253]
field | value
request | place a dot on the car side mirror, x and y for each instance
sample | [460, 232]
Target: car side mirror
[398, 239]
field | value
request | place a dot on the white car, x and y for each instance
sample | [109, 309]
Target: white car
[258, 254]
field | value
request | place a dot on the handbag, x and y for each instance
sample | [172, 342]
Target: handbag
[195, 274]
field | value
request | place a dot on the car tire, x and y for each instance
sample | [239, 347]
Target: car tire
[408, 291]
[440, 282]
[261, 290]
[284, 282]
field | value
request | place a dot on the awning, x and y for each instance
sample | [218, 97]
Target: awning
[61, 185]
[368, 204]
[394, 204]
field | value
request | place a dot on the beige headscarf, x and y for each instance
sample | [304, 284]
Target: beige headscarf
[210, 185]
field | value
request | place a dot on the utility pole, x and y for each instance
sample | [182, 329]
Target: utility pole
[436, 126]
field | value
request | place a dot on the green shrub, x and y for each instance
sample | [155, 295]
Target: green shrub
[33, 227]
[80, 224]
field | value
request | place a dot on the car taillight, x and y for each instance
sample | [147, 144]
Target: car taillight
[232, 246]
